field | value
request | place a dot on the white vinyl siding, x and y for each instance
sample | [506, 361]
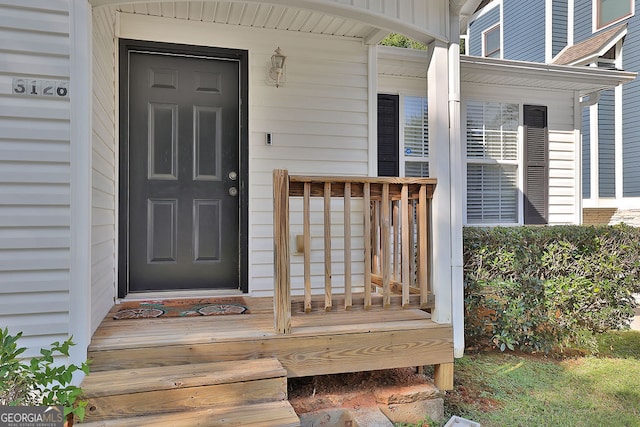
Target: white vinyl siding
[492, 162]
[318, 120]
[104, 166]
[415, 151]
[35, 233]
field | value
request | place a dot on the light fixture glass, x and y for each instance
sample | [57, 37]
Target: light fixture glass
[276, 72]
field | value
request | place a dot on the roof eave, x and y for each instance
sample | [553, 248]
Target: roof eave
[592, 78]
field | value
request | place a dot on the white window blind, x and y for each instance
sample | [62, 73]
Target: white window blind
[416, 137]
[492, 194]
[492, 162]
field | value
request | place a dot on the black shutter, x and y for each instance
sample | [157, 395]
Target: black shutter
[536, 163]
[388, 135]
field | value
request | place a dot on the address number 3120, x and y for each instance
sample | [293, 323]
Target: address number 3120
[40, 87]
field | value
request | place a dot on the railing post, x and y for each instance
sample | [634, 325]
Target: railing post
[281, 264]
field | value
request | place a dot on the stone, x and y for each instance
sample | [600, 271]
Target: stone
[406, 394]
[414, 412]
[361, 417]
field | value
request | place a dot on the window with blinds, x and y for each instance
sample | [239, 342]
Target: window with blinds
[416, 137]
[492, 162]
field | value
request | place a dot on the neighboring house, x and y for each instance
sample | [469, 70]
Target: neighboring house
[77, 227]
[589, 33]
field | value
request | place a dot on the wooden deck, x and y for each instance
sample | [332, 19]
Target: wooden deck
[320, 342]
[233, 369]
[144, 370]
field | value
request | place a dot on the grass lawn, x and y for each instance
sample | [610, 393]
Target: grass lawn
[506, 389]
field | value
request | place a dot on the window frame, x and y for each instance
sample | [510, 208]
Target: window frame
[518, 162]
[597, 6]
[490, 54]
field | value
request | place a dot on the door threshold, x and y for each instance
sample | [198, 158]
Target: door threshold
[161, 295]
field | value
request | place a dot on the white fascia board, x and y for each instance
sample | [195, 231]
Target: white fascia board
[584, 79]
[548, 30]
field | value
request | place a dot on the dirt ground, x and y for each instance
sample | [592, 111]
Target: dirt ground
[353, 390]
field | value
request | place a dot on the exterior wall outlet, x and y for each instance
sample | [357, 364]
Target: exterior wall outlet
[269, 138]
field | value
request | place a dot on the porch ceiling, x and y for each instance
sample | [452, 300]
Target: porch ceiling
[258, 15]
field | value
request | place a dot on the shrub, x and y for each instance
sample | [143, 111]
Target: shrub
[536, 288]
[39, 381]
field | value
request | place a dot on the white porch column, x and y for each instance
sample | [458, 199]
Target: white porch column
[80, 104]
[439, 167]
[456, 185]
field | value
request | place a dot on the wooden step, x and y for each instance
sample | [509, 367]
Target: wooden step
[269, 414]
[145, 391]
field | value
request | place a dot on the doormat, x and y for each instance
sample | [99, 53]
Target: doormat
[181, 308]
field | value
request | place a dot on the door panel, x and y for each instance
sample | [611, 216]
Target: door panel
[183, 160]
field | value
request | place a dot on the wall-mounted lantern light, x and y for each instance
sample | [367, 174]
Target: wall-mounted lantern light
[276, 71]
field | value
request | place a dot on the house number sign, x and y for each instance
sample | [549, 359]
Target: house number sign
[40, 87]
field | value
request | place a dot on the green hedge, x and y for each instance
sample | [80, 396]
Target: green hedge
[537, 288]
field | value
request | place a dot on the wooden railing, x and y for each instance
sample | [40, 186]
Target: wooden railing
[396, 222]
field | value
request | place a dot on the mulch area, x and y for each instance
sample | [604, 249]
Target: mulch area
[352, 390]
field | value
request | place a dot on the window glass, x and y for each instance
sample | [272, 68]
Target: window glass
[416, 169]
[609, 11]
[416, 137]
[492, 42]
[492, 131]
[492, 194]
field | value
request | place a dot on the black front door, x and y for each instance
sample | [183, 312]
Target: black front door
[183, 171]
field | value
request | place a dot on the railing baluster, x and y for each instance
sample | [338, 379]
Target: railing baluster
[386, 258]
[307, 246]
[395, 226]
[375, 209]
[427, 244]
[348, 300]
[406, 251]
[413, 266]
[327, 247]
[366, 208]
